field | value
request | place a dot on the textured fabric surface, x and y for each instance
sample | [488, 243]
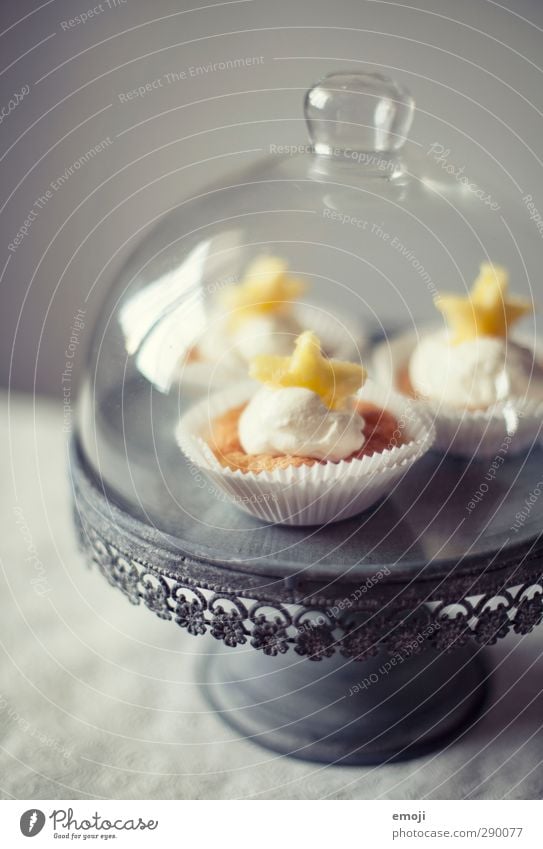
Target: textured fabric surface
[100, 699]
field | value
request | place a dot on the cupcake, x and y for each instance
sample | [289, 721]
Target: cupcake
[315, 443]
[262, 314]
[484, 389]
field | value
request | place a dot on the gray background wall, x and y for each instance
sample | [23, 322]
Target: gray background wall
[473, 65]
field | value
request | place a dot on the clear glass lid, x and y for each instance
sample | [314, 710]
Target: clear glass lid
[352, 234]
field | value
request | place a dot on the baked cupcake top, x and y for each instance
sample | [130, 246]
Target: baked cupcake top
[474, 363]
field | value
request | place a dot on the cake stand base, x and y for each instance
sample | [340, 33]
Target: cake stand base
[340, 711]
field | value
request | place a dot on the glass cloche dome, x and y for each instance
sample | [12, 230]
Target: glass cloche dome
[345, 236]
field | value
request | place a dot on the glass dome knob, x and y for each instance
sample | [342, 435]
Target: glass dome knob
[352, 111]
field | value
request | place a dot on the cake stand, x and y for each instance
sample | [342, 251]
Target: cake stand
[360, 642]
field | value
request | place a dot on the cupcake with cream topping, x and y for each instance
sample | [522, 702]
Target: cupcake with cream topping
[482, 386]
[315, 443]
[263, 314]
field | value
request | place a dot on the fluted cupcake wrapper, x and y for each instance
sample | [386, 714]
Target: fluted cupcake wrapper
[307, 495]
[507, 427]
[339, 334]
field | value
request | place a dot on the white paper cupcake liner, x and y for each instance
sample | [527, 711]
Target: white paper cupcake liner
[308, 495]
[506, 428]
[340, 336]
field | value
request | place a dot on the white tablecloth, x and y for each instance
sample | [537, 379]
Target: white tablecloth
[98, 698]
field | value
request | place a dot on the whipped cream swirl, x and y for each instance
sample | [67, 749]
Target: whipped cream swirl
[266, 334]
[293, 420]
[273, 334]
[474, 374]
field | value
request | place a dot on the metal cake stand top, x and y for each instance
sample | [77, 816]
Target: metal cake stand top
[454, 553]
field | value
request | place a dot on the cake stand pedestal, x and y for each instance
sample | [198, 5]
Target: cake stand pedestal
[343, 712]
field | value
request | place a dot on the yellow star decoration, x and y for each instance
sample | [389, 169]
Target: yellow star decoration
[333, 380]
[487, 310]
[266, 288]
